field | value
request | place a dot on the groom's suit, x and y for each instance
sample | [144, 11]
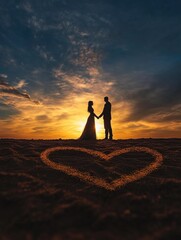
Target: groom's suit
[106, 113]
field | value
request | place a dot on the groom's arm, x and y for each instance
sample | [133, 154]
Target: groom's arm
[102, 113]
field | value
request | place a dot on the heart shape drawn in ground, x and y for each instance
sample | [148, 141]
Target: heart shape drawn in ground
[85, 176]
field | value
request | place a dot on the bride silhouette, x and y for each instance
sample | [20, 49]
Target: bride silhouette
[89, 132]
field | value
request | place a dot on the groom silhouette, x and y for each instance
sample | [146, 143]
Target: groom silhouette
[106, 113]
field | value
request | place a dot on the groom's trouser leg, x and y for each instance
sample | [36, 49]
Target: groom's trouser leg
[106, 133]
[110, 130]
[106, 128]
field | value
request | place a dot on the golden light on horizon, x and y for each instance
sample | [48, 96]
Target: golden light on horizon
[67, 118]
[99, 129]
[98, 125]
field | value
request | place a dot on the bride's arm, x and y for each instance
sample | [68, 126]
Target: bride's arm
[96, 116]
[92, 112]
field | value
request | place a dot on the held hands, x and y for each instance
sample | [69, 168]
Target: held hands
[97, 117]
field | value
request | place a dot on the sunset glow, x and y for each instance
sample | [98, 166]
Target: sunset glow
[53, 64]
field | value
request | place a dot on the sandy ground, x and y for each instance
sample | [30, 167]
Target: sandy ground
[47, 201]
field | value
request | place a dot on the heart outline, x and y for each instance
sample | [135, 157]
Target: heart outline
[117, 183]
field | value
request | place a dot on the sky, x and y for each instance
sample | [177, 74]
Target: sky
[56, 55]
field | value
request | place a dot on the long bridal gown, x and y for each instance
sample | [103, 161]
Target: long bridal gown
[89, 132]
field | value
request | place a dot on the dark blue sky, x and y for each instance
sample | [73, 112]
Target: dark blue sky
[53, 50]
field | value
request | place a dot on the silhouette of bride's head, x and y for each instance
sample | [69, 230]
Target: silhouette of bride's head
[106, 99]
[90, 109]
[90, 103]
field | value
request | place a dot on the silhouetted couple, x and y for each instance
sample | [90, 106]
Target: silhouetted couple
[89, 132]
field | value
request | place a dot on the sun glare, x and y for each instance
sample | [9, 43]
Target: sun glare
[81, 125]
[99, 129]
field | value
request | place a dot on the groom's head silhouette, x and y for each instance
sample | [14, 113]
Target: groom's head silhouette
[106, 99]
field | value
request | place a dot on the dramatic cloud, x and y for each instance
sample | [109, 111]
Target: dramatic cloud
[6, 111]
[10, 91]
[42, 118]
[65, 53]
[161, 100]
